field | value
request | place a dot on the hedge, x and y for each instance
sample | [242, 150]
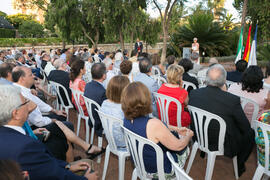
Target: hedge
[21, 42]
[7, 33]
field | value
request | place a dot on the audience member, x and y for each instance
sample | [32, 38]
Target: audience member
[10, 170]
[118, 59]
[134, 56]
[6, 73]
[32, 155]
[125, 68]
[88, 65]
[174, 89]
[144, 77]
[2, 57]
[49, 66]
[44, 60]
[239, 137]
[112, 106]
[196, 67]
[156, 62]
[170, 60]
[236, 75]
[202, 73]
[251, 87]
[110, 72]
[188, 65]
[125, 53]
[62, 77]
[94, 90]
[136, 104]
[76, 72]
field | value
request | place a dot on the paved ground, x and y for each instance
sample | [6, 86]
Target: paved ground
[223, 169]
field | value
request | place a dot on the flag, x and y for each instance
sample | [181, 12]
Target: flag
[252, 56]
[247, 48]
[239, 47]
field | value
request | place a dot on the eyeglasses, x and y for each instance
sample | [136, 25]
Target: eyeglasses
[27, 101]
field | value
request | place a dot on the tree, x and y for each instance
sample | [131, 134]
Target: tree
[3, 14]
[17, 19]
[211, 35]
[165, 21]
[31, 29]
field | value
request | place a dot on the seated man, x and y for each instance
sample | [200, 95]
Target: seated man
[94, 90]
[236, 75]
[239, 137]
[31, 155]
[144, 77]
[6, 73]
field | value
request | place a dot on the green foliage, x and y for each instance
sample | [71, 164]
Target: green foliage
[177, 14]
[3, 14]
[7, 33]
[211, 36]
[263, 53]
[31, 29]
[17, 19]
[152, 30]
[20, 42]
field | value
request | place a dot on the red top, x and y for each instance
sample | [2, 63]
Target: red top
[180, 94]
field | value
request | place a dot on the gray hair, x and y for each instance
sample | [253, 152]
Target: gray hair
[194, 56]
[9, 100]
[218, 79]
[18, 55]
[85, 56]
[107, 62]
[58, 63]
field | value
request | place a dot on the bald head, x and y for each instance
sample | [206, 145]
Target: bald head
[216, 76]
[213, 61]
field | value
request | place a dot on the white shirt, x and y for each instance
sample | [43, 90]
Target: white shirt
[16, 128]
[48, 68]
[35, 117]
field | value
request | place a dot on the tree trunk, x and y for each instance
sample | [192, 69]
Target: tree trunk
[131, 43]
[164, 48]
[96, 39]
[122, 43]
[63, 44]
[244, 13]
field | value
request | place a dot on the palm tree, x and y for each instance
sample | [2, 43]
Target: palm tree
[211, 35]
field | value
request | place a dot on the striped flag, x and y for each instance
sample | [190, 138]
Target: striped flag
[239, 47]
[247, 48]
[252, 56]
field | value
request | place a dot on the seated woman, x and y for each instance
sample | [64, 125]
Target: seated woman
[188, 65]
[76, 72]
[174, 89]
[156, 62]
[112, 106]
[251, 87]
[136, 104]
[125, 68]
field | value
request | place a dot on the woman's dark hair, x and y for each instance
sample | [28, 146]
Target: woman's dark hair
[170, 59]
[126, 67]
[75, 70]
[72, 59]
[10, 170]
[186, 64]
[252, 79]
[115, 88]
[241, 65]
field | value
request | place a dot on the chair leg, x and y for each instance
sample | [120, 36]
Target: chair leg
[99, 145]
[78, 124]
[259, 173]
[235, 167]
[67, 111]
[106, 162]
[121, 166]
[92, 135]
[192, 156]
[87, 129]
[134, 174]
[210, 166]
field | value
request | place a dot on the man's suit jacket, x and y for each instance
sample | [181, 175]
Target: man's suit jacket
[95, 91]
[140, 46]
[234, 76]
[33, 156]
[228, 107]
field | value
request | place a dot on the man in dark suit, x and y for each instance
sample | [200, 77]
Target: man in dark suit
[236, 75]
[239, 137]
[94, 90]
[62, 77]
[139, 46]
[31, 154]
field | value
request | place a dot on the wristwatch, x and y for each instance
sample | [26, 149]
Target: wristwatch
[68, 166]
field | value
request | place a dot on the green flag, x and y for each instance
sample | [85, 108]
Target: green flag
[239, 48]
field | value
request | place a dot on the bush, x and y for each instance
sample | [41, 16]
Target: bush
[7, 33]
[31, 29]
[8, 42]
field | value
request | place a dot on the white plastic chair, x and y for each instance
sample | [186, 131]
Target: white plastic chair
[180, 173]
[201, 131]
[89, 103]
[229, 83]
[135, 146]
[246, 101]
[155, 71]
[57, 87]
[164, 102]
[187, 84]
[262, 169]
[107, 124]
[77, 95]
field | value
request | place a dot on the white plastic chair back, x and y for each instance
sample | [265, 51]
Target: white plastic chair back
[193, 75]
[180, 173]
[229, 83]
[155, 71]
[187, 84]
[201, 128]
[265, 128]
[108, 123]
[246, 101]
[135, 146]
[164, 102]
[161, 80]
[77, 95]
